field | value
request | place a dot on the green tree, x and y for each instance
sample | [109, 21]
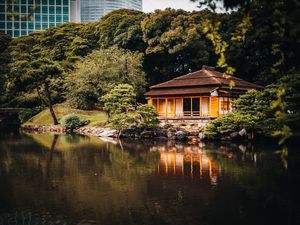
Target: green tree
[287, 107]
[176, 43]
[121, 121]
[148, 115]
[118, 103]
[66, 43]
[121, 28]
[4, 60]
[119, 100]
[63, 46]
[42, 76]
[99, 72]
[253, 112]
[270, 50]
[20, 54]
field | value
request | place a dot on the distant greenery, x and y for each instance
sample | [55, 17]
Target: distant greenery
[72, 121]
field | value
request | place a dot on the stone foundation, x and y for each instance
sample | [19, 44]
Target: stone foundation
[187, 122]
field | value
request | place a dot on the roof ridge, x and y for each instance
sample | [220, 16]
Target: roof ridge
[211, 75]
[177, 78]
[159, 84]
[203, 77]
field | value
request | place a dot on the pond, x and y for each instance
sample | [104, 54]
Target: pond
[72, 179]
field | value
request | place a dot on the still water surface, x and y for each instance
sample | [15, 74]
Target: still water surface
[71, 179]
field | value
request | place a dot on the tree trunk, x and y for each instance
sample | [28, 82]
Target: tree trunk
[50, 105]
[49, 159]
[108, 116]
[42, 101]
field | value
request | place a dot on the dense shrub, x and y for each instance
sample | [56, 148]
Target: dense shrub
[72, 121]
[148, 116]
[253, 112]
[231, 122]
[119, 104]
[122, 121]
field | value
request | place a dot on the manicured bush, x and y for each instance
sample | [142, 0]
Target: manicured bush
[121, 121]
[119, 104]
[72, 121]
[149, 116]
[253, 112]
[231, 122]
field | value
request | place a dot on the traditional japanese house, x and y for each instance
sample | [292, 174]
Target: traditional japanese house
[203, 94]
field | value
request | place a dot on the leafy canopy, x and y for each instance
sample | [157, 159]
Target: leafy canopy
[120, 99]
[119, 103]
[252, 112]
[99, 72]
[149, 116]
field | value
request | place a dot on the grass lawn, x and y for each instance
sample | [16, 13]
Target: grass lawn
[96, 117]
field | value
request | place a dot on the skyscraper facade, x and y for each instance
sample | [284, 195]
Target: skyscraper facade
[20, 17]
[92, 10]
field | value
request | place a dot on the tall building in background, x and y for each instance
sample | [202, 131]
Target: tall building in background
[20, 17]
[92, 10]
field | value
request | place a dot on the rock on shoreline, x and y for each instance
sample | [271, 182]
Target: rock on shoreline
[167, 132]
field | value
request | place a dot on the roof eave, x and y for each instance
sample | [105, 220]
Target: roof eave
[241, 88]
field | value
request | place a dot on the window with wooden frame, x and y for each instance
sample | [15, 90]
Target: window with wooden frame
[224, 105]
[154, 103]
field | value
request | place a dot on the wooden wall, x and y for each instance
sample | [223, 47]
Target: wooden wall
[214, 101]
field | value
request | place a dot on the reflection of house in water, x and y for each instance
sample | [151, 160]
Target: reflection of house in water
[189, 162]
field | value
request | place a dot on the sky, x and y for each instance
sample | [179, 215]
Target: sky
[151, 5]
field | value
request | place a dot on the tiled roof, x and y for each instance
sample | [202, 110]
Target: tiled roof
[206, 77]
[180, 91]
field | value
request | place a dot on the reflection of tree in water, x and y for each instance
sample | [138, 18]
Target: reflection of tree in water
[74, 138]
[32, 217]
[248, 186]
[137, 183]
[95, 176]
[128, 166]
[52, 149]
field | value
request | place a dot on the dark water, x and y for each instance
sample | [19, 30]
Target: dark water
[47, 179]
